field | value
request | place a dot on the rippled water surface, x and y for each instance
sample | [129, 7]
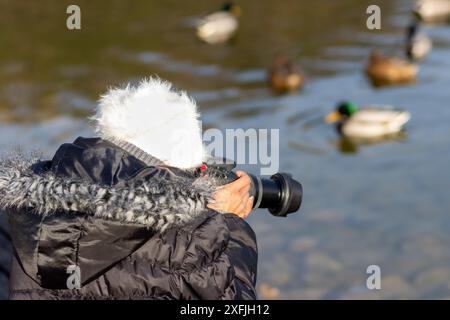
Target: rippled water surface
[385, 204]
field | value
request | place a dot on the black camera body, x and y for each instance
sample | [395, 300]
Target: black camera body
[280, 194]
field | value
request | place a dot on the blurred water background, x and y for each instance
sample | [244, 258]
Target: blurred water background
[385, 204]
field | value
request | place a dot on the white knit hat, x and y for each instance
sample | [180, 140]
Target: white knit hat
[152, 116]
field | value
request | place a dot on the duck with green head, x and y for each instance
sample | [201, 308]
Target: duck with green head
[369, 122]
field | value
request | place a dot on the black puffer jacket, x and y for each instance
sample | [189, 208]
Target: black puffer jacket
[131, 230]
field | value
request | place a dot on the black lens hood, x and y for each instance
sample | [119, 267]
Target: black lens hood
[291, 195]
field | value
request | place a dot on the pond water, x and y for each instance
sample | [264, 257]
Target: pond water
[385, 204]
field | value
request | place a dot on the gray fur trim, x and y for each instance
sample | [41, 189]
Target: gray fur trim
[158, 204]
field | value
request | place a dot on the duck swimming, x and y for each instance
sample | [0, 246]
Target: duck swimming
[368, 123]
[418, 44]
[219, 26]
[384, 70]
[432, 10]
[285, 75]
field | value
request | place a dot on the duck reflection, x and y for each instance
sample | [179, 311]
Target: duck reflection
[351, 145]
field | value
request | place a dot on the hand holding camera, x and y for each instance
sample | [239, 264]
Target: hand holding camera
[281, 194]
[234, 197]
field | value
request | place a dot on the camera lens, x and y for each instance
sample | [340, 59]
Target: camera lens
[280, 194]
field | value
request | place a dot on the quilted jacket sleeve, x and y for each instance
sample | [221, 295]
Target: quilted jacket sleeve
[230, 273]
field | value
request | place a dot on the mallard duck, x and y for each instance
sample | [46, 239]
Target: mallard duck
[418, 44]
[285, 75]
[368, 123]
[383, 70]
[219, 26]
[432, 10]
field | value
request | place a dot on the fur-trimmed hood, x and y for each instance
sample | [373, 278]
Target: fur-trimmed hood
[156, 121]
[157, 203]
